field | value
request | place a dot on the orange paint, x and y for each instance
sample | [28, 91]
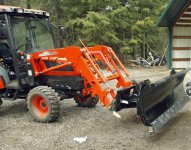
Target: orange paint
[2, 86]
[84, 64]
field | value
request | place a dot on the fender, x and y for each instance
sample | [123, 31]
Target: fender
[2, 82]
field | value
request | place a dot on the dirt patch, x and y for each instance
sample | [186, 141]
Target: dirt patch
[104, 131]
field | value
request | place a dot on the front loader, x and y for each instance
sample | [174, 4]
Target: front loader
[31, 67]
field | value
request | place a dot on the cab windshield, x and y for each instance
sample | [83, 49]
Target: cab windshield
[31, 34]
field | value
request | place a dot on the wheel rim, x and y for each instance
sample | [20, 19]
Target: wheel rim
[40, 106]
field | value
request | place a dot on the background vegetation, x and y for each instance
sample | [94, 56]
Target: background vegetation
[128, 26]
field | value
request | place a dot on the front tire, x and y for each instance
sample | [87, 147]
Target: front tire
[43, 104]
[86, 101]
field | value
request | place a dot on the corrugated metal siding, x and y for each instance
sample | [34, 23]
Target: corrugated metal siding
[181, 48]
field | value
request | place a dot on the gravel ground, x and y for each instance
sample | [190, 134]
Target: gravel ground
[19, 131]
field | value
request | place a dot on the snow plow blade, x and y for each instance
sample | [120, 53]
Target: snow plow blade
[157, 103]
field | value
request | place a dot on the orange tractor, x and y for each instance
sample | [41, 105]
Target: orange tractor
[32, 68]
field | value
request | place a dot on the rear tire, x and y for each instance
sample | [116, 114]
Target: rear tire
[43, 104]
[86, 101]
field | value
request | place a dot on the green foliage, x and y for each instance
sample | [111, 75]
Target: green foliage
[129, 26]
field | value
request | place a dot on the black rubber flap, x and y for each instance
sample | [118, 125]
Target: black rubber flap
[160, 101]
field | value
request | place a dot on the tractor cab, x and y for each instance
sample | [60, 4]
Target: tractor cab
[22, 31]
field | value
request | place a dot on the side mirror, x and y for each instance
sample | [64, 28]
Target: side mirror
[3, 30]
[62, 32]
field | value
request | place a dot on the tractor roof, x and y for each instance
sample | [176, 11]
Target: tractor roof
[20, 10]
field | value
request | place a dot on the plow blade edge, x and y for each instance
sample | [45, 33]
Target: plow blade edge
[161, 101]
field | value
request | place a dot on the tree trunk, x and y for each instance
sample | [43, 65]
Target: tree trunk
[133, 53]
[28, 4]
[2, 2]
[144, 47]
[58, 11]
[58, 17]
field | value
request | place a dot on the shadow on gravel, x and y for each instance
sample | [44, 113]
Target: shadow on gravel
[16, 107]
[170, 127]
[67, 110]
[129, 117]
[70, 110]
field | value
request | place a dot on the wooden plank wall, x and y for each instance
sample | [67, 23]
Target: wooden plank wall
[181, 47]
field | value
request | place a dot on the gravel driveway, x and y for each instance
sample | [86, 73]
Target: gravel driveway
[103, 130]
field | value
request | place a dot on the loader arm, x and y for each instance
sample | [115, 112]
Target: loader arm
[84, 63]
